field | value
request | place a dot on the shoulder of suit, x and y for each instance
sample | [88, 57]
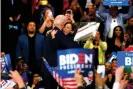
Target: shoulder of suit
[39, 35]
[21, 36]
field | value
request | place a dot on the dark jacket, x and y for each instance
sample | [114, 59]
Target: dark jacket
[23, 49]
[60, 42]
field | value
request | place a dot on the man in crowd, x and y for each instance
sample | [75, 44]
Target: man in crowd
[31, 47]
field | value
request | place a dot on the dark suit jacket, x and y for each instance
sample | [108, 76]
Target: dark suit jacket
[59, 43]
[23, 49]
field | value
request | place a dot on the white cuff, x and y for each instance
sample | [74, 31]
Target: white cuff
[116, 85]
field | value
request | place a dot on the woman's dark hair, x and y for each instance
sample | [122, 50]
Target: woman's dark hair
[74, 28]
[45, 9]
[121, 36]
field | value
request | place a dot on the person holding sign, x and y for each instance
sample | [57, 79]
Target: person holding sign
[114, 18]
[99, 46]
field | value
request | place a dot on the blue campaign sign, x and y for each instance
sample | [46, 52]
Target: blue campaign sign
[125, 58]
[113, 56]
[71, 59]
[116, 3]
[6, 63]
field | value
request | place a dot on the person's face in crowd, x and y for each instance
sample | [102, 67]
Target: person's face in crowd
[36, 79]
[114, 64]
[91, 10]
[114, 11]
[31, 27]
[107, 66]
[48, 12]
[49, 23]
[67, 29]
[130, 21]
[118, 31]
[25, 67]
[74, 4]
[97, 37]
[68, 16]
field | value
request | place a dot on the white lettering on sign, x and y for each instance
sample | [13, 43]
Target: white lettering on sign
[88, 58]
[73, 59]
[128, 61]
[129, 54]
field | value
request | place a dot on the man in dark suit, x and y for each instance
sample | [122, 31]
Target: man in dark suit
[31, 47]
[55, 41]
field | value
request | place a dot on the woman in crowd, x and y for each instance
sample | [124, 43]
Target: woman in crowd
[67, 36]
[114, 18]
[99, 46]
[115, 43]
[47, 21]
[68, 29]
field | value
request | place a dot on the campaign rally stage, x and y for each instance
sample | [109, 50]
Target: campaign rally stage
[115, 2]
[125, 58]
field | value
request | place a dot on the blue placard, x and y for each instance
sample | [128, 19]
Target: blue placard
[116, 3]
[6, 63]
[71, 59]
[113, 56]
[124, 58]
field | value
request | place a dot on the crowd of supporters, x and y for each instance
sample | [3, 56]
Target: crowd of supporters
[29, 40]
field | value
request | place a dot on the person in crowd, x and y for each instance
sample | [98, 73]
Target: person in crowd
[113, 18]
[24, 71]
[114, 66]
[31, 48]
[47, 21]
[99, 81]
[108, 67]
[50, 55]
[38, 15]
[77, 10]
[115, 44]
[69, 15]
[68, 30]
[120, 82]
[90, 14]
[36, 81]
[110, 78]
[130, 21]
[57, 40]
[128, 38]
[100, 48]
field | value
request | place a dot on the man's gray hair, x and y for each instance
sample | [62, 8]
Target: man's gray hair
[60, 19]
